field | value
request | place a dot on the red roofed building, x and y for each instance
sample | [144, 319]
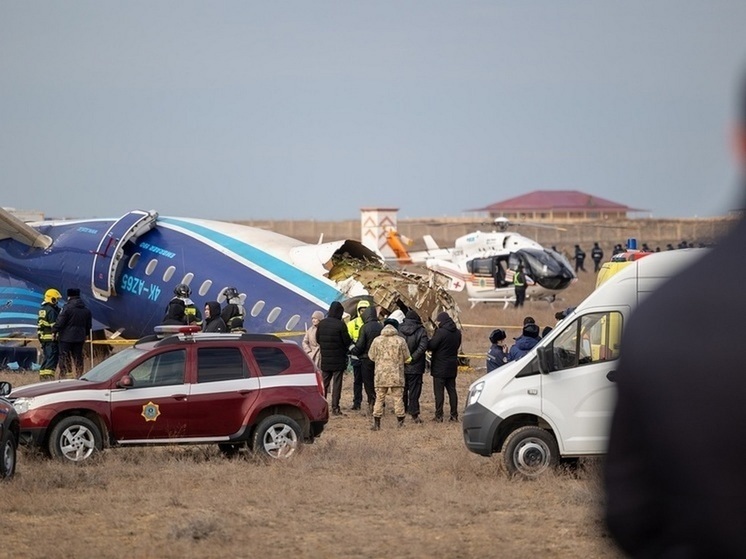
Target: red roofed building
[551, 205]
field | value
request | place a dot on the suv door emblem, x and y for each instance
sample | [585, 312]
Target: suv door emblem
[150, 411]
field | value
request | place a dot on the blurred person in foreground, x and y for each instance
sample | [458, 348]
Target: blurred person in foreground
[674, 475]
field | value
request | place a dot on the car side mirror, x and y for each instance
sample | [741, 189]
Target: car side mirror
[5, 388]
[546, 359]
[125, 382]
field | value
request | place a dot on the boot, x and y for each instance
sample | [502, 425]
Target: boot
[376, 424]
[416, 418]
[400, 422]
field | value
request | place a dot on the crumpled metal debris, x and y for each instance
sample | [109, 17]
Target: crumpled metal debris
[388, 287]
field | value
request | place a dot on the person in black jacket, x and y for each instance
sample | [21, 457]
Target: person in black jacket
[444, 347]
[213, 318]
[334, 343]
[415, 335]
[597, 254]
[72, 327]
[674, 474]
[370, 331]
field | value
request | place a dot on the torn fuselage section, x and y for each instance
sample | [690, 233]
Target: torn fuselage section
[393, 289]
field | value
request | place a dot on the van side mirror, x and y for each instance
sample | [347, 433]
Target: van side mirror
[5, 388]
[546, 359]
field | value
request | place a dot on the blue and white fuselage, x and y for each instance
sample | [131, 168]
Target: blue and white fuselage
[127, 268]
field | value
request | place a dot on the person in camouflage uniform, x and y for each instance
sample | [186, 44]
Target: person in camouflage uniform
[389, 352]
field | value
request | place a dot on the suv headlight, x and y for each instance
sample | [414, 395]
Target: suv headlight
[21, 405]
[475, 393]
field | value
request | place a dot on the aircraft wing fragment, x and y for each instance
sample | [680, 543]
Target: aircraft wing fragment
[13, 228]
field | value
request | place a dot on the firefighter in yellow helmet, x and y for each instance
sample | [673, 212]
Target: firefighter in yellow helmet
[48, 313]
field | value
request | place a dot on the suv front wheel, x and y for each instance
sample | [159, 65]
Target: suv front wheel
[8, 449]
[278, 436]
[75, 438]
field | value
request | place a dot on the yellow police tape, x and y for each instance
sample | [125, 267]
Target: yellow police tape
[124, 342]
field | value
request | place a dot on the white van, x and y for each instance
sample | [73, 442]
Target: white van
[556, 401]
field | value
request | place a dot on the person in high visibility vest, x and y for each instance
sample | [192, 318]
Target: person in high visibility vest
[353, 329]
[48, 313]
[519, 283]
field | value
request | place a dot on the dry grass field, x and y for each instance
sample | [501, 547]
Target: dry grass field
[410, 492]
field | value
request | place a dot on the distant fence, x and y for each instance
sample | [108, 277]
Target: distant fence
[654, 232]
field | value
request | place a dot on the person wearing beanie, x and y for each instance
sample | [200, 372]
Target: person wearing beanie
[309, 343]
[334, 342]
[525, 342]
[72, 328]
[497, 354]
[444, 347]
[415, 335]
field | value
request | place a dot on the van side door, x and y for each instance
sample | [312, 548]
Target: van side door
[577, 396]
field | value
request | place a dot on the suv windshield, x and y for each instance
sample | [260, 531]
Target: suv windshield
[112, 365]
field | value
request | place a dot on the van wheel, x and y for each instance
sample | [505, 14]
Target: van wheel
[75, 439]
[530, 451]
[8, 455]
[278, 436]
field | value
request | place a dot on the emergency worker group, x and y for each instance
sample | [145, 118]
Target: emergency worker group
[388, 356]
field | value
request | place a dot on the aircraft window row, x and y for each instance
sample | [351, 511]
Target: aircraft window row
[169, 273]
[205, 286]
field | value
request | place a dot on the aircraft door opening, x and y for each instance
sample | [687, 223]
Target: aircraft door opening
[110, 250]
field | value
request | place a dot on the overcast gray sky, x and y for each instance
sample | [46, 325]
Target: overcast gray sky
[311, 110]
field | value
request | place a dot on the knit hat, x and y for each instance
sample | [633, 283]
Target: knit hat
[391, 322]
[442, 317]
[497, 336]
[317, 314]
[73, 292]
[531, 331]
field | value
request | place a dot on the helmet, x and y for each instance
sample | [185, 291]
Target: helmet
[52, 296]
[182, 290]
[230, 293]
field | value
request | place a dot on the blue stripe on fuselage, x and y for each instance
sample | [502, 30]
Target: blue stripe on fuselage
[287, 272]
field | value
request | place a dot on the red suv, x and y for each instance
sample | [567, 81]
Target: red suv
[235, 390]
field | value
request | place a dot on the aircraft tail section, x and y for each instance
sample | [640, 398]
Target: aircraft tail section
[430, 242]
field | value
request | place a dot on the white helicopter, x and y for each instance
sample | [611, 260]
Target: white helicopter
[484, 263]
